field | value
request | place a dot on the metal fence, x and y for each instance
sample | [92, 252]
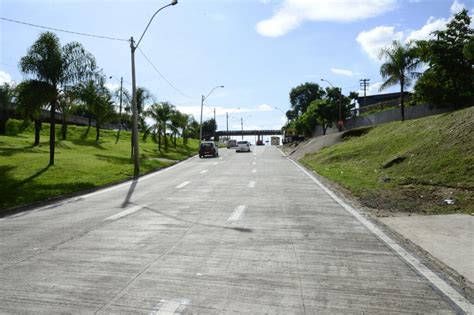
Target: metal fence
[412, 112]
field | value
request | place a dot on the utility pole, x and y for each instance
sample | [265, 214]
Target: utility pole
[364, 84]
[200, 129]
[242, 126]
[227, 123]
[120, 110]
[136, 158]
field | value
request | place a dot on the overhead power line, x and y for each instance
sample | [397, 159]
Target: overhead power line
[64, 31]
[164, 78]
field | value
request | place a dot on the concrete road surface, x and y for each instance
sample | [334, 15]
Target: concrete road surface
[243, 233]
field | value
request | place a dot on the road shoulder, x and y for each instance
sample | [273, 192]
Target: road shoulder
[451, 276]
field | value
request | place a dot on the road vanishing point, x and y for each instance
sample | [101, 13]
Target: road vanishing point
[243, 233]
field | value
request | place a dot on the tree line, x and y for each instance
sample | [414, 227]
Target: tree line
[448, 79]
[66, 79]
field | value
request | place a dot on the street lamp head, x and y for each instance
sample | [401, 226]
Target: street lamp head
[222, 86]
[174, 2]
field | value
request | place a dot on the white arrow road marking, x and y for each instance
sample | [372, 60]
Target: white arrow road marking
[124, 213]
[183, 184]
[254, 171]
[252, 184]
[203, 171]
[237, 214]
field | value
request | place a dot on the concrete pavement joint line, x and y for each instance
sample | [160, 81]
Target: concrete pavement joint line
[203, 172]
[439, 283]
[124, 213]
[237, 214]
[184, 184]
[146, 267]
[252, 184]
[297, 262]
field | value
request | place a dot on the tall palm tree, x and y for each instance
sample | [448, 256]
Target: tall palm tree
[399, 68]
[55, 68]
[32, 97]
[103, 110]
[161, 113]
[7, 95]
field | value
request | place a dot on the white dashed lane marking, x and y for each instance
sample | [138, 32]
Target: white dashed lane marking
[254, 171]
[252, 184]
[183, 184]
[203, 172]
[237, 214]
[124, 213]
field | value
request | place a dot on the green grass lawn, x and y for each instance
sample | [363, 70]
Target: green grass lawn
[81, 162]
[438, 164]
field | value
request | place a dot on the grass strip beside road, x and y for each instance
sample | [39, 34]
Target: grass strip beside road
[81, 163]
[432, 161]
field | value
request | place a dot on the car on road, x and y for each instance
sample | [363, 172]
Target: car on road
[243, 146]
[231, 144]
[208, 148]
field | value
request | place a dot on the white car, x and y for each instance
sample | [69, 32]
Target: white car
[243, 146]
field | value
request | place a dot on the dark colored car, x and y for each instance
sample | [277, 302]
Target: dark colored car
[208, 148]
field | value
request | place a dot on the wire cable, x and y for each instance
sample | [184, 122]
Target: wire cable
[164, 78]
[64, 31]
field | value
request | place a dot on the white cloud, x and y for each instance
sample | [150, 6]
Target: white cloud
[265, 108]
[345, 72]
[377, 38]
[112, 86]
[5, 78]
[425, 32]
[374, 88]
[381, 36]
[457, 7]
[294, 12]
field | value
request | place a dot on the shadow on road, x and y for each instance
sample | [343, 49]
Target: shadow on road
[130, 192]
[238, 229]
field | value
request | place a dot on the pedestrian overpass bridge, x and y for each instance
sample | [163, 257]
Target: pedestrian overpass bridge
[221, 133]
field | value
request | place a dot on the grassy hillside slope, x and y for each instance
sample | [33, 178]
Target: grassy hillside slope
[81, 162]
[411, 166]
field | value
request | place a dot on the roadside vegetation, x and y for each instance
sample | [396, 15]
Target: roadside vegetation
[63, 84]
[448, 80]
[423, 166]
[82, 162]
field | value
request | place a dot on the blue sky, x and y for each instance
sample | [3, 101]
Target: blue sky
[257, 49]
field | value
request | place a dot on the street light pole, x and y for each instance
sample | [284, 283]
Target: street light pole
[340, 105]
[133, 48]
[242, 125]
[203, 98]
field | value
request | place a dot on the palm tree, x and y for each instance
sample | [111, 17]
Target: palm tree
[399, 68]
[161, 113]
[65, 104]
[103, 110]
[55, 68]
[32, 97]
[7, 95]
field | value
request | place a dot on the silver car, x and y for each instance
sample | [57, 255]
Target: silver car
[243, 146]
